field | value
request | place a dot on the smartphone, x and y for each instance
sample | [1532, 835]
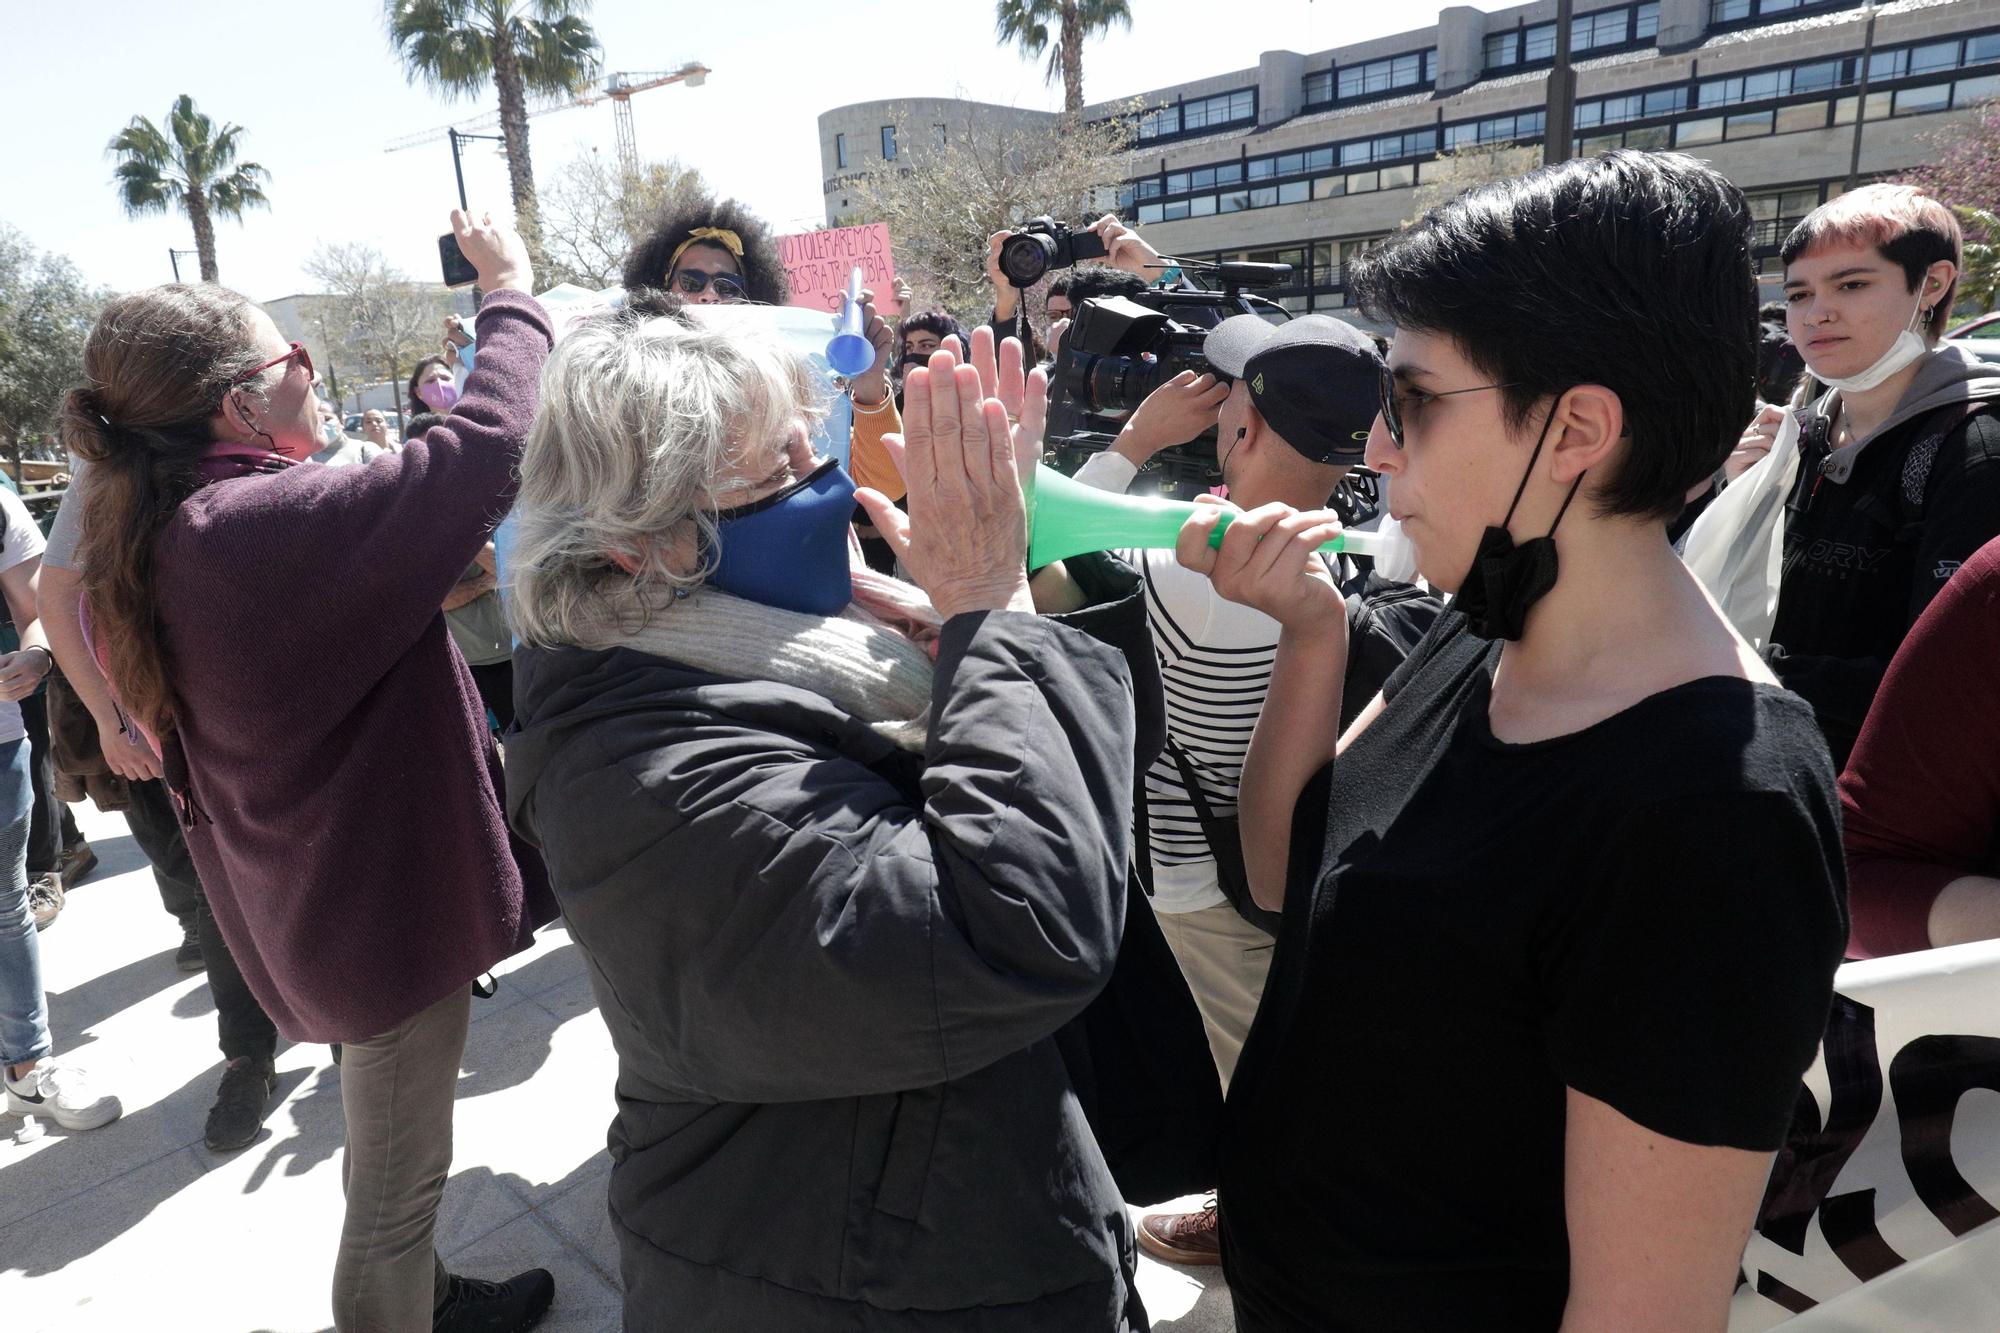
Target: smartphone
[458, 270]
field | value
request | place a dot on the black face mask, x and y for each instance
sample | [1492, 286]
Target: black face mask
[1507, 580]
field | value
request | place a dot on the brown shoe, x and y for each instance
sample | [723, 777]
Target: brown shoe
[1182, 1238]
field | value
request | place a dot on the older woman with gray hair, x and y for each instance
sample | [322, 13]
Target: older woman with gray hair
[842, 857]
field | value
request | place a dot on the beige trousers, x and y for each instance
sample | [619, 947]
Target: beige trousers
[1225, 960]
[396, 1091]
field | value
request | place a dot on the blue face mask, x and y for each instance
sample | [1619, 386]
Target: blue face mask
[789, 549]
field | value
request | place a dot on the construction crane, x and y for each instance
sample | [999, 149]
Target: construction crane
[618, 90]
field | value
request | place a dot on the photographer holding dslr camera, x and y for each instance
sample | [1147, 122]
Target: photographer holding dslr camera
[1017, 259]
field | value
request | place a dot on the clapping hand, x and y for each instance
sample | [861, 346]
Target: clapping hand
[965, 538]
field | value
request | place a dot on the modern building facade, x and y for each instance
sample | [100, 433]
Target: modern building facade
[1309, 159]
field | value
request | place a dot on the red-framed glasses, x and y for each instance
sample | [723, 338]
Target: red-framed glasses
[295, 351]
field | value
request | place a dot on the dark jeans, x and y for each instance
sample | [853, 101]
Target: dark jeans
[51, 827]
[243, 1026]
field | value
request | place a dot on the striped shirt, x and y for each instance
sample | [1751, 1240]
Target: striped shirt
[1215, 664]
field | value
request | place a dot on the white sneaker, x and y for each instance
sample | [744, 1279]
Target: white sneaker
[62, 1094]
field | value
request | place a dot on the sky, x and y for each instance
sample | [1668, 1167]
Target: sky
[320, 94]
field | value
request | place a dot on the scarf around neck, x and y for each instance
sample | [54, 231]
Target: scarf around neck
[873, 660]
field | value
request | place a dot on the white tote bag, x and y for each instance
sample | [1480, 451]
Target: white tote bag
[1737, 546]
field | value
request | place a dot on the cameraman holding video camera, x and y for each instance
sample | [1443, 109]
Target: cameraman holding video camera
[1293, 403]
[1124, 251]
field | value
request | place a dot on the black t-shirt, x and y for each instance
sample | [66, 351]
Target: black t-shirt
[1649, 910]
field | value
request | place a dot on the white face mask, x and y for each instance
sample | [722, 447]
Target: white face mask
[1905, 351]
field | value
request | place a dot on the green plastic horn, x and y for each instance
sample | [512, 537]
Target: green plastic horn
[1068, 518]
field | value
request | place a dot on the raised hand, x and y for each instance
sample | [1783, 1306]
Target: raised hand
[1025, 396]
[496, 252]
[965, 538]
[872, 385]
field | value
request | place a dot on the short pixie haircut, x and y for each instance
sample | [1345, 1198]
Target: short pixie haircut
[1628, 270]
[1904, 225]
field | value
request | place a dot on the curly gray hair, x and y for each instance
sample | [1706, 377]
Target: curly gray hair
[640, 418]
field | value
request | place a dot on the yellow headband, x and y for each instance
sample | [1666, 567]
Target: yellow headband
[722, 236]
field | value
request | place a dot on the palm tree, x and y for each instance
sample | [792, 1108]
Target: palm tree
[523, 46]
[191, 167]
[1025, 23]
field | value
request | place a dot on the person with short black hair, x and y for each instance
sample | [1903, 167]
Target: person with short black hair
[1899, 462]
[706, 251]
[1563, 905]
[919, 335]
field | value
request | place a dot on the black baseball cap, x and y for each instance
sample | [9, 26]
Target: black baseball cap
[1316, 379]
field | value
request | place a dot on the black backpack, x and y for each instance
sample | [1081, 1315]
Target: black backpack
[1385, 622]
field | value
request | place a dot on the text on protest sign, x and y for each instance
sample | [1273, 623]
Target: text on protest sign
[817, 264]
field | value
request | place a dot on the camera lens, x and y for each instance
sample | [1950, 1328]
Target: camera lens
[1025, 257]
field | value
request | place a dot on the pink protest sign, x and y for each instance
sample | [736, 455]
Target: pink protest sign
[817, 263]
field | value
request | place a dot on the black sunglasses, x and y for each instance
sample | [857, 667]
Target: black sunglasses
[693, 281]
[1392, 400]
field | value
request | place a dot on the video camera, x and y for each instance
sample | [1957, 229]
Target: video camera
[1042, 244]
[1119, 349]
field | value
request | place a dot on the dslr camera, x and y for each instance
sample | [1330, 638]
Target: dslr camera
[1121, 348]
[1042, 244]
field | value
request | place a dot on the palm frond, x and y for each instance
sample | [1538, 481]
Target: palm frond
[147, 175]
[143, 188]
[1025, 23]
[445, 44]
[239, 190]
[1099, 16]
[556, 57]
[142, 141]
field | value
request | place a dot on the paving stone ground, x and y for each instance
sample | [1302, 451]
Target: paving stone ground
[137, 1226]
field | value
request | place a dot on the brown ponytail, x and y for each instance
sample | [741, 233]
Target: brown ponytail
[156, 368]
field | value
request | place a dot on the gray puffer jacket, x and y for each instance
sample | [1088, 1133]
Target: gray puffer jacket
[831, 970]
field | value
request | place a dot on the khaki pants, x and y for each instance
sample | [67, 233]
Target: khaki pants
[396, 1091]
[1225, 960]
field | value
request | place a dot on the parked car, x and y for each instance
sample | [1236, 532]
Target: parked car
[1979, 336]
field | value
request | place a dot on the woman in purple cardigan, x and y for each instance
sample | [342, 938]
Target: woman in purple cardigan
[275, 624]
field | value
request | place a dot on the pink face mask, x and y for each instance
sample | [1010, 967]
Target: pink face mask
[438, 395]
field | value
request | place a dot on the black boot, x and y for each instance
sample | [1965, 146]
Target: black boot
[240, 1104]
[473, 1306]
[188, 958]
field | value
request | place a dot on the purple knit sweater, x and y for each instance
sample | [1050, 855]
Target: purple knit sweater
[345, 792]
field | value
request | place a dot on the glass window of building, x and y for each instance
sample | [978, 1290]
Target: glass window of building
[1971, 92]
[1804, 116]
[1410, 70]
[1708, 130]
[888, 143]
[1916, 101]
[839, 150]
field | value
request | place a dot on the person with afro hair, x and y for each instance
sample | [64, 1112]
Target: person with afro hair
[705, 251]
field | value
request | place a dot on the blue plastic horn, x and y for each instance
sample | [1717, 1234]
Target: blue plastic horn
[848, 352]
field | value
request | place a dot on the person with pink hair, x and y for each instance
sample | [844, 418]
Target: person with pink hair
[1899, 472]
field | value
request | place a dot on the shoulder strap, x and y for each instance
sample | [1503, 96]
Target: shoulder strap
[1929, 437]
